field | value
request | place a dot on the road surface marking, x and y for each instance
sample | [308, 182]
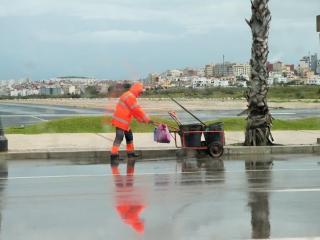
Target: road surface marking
[284, 113]
[147, 174]
[300, 238]
[294, 190]
[41, 119]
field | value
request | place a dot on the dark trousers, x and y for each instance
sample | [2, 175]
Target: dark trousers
[120, 133]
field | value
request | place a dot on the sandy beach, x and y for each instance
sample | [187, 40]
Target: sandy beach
[164, 104]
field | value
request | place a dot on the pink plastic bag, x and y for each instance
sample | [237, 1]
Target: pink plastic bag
[161, 134]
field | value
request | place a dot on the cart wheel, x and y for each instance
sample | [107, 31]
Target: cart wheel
[215, 149]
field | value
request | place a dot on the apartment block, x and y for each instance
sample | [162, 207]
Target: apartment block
[241, 70]
[208, 70]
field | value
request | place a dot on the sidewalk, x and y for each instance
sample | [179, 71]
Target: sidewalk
[143, 141]
[78, 146]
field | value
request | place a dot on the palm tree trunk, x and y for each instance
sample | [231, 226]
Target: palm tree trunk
[259, 119]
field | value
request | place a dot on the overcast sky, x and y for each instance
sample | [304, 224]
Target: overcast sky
[127, 39]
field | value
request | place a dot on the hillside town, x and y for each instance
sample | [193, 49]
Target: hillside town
[225, 74]
[228, 74]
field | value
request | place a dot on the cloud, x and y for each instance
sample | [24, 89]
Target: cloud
[173, 32]
[127, 35]
[192, 16]
[107, 36]
[111, 10]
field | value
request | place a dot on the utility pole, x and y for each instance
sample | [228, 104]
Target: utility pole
[223, 65]
[318, 25]
[318, 30]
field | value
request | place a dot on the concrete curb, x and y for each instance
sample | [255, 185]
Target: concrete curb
[148, 154]
[295, 149]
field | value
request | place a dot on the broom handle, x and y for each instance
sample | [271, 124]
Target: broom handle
[188, 111]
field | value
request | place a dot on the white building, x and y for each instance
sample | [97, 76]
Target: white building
[32, 91]
[6, 83]
[313, 81]
[187, 78]
[103, 88]
[174, 73]
[219, 83]
[18, 92]
[201, 82]
[283, 80]
[270, 81]
[276, 78]
[241, 70]
[71, 90]
[185, 81]
[74, 79]
[239, 82]
[14, 93]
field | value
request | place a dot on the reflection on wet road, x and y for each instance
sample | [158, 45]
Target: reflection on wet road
[188, 199]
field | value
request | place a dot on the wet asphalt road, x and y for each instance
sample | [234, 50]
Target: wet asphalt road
[231, 199]
[26, 114]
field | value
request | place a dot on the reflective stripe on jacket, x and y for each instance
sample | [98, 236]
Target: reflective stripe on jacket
[126, 108]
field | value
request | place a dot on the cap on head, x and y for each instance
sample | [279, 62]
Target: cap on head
[137, 88]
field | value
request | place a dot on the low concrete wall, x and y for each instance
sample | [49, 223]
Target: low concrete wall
[154, 154]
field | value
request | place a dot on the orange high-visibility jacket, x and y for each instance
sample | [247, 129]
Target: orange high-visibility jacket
[127, 107]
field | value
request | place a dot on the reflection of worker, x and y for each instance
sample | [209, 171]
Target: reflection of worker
[126, 108]
[128, 205]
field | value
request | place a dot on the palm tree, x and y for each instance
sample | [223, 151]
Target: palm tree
[259, 119]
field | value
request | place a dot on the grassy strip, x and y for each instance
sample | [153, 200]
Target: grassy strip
[81, 125]
[299, 124]
[102, 124]
[238, 124]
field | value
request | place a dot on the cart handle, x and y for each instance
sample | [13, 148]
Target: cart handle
[174, 116]
[171, 128]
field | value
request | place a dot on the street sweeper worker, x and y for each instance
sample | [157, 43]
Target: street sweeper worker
[126, 108]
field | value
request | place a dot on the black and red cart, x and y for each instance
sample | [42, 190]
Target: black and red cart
[204, 138]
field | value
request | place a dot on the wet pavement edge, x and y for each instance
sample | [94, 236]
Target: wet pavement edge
[154, 154]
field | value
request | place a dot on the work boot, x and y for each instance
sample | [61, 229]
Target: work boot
[114, 160]
[133, 155]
